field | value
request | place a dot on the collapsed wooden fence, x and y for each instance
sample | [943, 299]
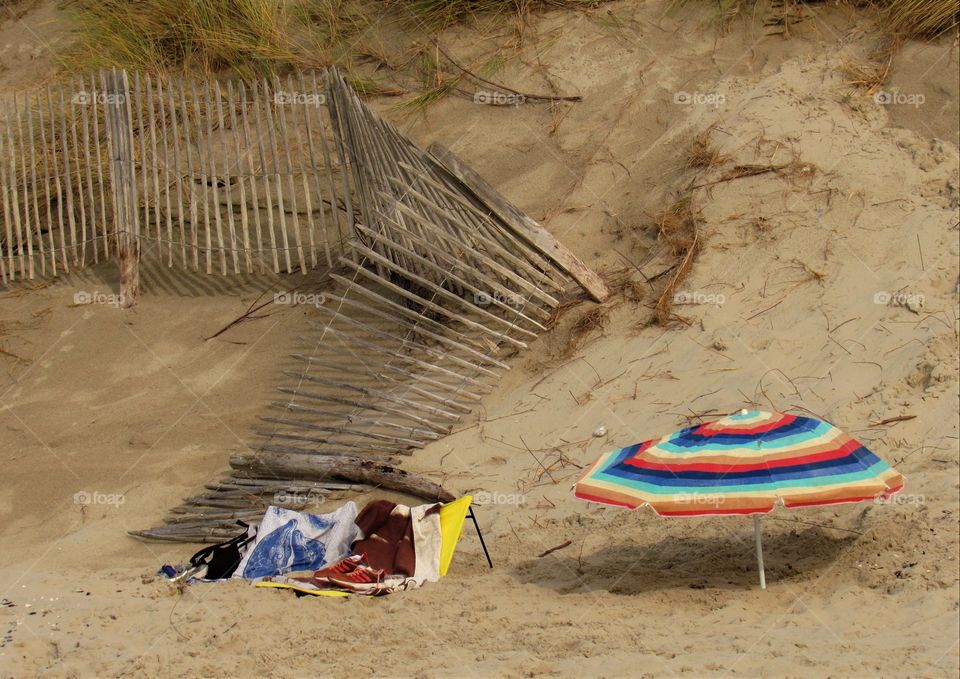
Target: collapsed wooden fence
[431, 275]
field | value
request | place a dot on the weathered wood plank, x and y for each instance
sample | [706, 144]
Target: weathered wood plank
[522, 224]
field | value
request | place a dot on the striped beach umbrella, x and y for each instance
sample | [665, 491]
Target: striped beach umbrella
[745, 463]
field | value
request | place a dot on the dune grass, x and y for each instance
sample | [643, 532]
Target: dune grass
[436, 14]
[250, 37]
[260, 37]
[906, 18]
[919, 18]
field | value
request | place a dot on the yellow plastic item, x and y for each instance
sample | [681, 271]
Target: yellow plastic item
[452, 516]
[305, 590]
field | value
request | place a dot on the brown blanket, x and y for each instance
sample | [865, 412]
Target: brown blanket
[387, 537]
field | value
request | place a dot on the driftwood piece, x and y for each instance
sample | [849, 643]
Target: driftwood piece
[310, 468]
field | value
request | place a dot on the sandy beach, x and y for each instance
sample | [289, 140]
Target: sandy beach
[826, 285]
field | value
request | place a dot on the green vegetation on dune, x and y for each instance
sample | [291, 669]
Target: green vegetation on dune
[433, 14]
[261, 37]
[251, 37]
[920, 18]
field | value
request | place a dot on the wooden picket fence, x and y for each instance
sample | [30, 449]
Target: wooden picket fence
[226, 178]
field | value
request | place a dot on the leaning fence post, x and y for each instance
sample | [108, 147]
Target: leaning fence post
[122, 186]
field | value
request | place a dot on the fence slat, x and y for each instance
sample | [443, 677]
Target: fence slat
[28, 236]
[337, 128]
[123, 178]
[97, 100]
[252, 176]
[34, 188]
[154, 165]
[67, 177]
[15, 191]
[75, 143]
[311, 228]
[133, 192]
[5, 249]
[166, 171]
[237, 165]
[82, 99]
[228, 172]
[266, 181]
[328, 165]
[57, 181]
[137, 103]
[204, 179]
[316, 172]
[282, 117]
[178, 174]
[214, 179]
[204, 175]
[278, 182]
[7, 216]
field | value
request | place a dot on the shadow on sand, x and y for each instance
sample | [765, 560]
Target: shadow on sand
[720, 562]
[159, 279]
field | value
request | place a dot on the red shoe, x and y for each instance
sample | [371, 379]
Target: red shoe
[342, 567]
[362, 579]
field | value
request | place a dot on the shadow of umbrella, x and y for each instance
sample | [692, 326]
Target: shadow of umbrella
[720, 562]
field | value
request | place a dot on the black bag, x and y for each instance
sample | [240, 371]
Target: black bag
[222, 559]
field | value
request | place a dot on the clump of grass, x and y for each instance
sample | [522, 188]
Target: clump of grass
[623, 283]
[677, 226]
[436, 82]
[595, 319]
[370, 87]
[436, 14]
[702, 154]
[592, 321]
[678, 229]
[420, 102]
[872, 73]
[249, 37]
[723, 12]
[920, 18]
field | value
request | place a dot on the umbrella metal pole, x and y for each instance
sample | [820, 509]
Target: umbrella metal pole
[756, 534]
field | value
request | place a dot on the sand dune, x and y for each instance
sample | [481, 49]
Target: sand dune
[827, 284]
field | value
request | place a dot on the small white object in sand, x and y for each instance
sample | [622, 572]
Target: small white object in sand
[600, 431]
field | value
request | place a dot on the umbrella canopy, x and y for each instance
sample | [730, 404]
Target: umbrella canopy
[740, 464]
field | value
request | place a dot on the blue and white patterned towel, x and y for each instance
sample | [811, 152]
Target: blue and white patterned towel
[293, 541]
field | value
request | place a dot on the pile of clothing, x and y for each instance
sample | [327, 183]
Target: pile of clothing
[383, 548]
